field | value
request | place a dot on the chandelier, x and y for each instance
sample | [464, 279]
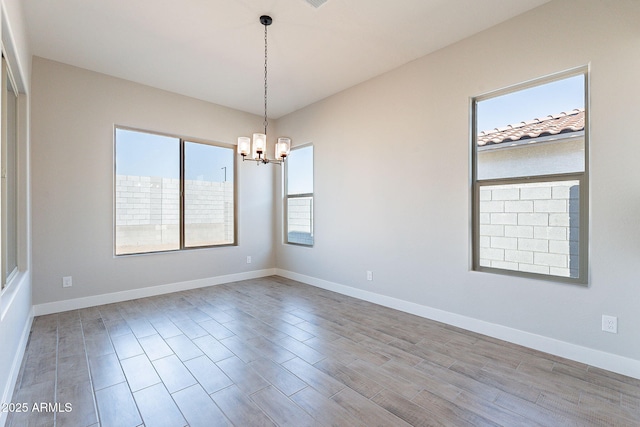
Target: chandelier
[258, 149]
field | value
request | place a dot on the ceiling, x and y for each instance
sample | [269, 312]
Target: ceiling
[214, 49]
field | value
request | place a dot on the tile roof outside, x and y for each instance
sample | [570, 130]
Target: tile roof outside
[572, 121]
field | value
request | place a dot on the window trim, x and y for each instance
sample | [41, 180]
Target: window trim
[581, 177]
[298, 196]
[181, 159]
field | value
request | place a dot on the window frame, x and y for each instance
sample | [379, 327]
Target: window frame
[288, 196]
[181, 159]
[581, 177]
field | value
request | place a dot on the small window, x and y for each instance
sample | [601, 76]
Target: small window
[299, 200]
[529, 153]
[172, 193]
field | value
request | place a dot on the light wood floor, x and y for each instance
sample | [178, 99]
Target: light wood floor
[276, 352]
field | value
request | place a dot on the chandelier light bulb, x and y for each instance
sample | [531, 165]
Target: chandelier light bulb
[282, 148]
[259, 145]
[244, 146]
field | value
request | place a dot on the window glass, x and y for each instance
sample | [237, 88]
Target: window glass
[531, 132]
[172, 194]
[300, 171]
[530, 180]
[531, 227]
[10, 175]
[299, 221]
[209, 195]
[147, 192]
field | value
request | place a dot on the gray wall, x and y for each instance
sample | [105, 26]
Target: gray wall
[411, 126]
[73, 113]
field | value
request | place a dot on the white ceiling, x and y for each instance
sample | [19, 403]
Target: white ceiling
[214, 49]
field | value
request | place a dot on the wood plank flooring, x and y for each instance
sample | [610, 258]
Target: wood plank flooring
[273, 351]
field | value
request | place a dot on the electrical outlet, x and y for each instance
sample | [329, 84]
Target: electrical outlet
[249, 259]
[67, 282]
[610, 324]
[369, 275]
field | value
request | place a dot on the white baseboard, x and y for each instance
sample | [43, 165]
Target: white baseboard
[600, 359]
[7, 394]
[78, 303]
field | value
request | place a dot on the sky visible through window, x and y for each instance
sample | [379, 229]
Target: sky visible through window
[208, 163]
[528, 104]
[145, 154]
[300, 170]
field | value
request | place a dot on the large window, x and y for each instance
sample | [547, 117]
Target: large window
[9, 188]
[172, 193]
[529, 150]
[299, 200]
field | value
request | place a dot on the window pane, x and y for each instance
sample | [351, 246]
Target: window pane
[300, 220]
[531, 227]
[300, 196]
[12, 180]
[300, 171]
[147, 192]
[532, 132]
[208, 205]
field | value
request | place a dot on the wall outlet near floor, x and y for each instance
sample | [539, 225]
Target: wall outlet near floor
[369, 275]
[610, 324]
[249, 259]
[67, 282]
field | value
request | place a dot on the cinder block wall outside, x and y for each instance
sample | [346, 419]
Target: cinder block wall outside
[300, 220]
[148, 212]
[530, 227]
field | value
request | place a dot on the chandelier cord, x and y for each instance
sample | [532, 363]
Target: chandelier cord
[266, 123]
